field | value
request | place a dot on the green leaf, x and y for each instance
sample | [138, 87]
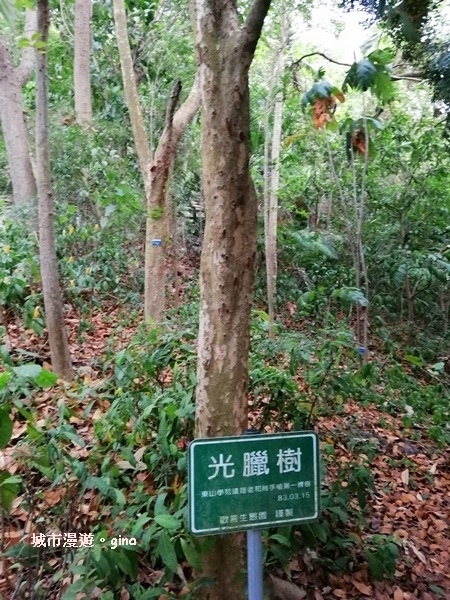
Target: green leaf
[319, 530]
[99, 483]
[123, 562]
[74, 437]
[373, 123]
[192, 555]
[137, 528]
[439, 366]
[13, 479]
[341, 514]
[167, 521]
[414, 360]
[320, 89]
[153, 593]
[6, 428]
[46, 379]
[437, 589]
[32, 371]
[365, 74]
[381, 57]
[382, 86]
[360, 75]
[4, 378]
[97, 552]
[160, 507]
[376, 567]
[120, 497]
[351, 295]
[8, 489]
[281, 539]
[166, 551]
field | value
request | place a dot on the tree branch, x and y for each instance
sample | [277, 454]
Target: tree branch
[254, 22]
[5, 59]
[187, 110]
[164, 151]
[27, 59]
[414, 76]
[408, 77]
[172, 104]
[336, 62]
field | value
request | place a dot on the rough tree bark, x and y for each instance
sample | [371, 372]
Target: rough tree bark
[158, 213]
[53, 303]
[82, 55]
[12, 117]
[224, 54]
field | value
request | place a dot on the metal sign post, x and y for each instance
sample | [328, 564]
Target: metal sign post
[254, 565]
[251, 482]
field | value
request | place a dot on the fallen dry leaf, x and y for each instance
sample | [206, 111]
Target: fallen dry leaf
[285, 590]
[363, 588]
[405, 476]
[418, 553]
[398, 594]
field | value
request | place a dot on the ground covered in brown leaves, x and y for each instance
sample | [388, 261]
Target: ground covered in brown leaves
[411, 499]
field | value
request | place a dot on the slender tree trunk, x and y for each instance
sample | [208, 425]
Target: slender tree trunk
[12, 117]
[59, 347]
[157, 235]
[409, 298]
[272, 172]
[359, 235]
[224, 54]
[131, 94]
[82, 73]
[354, 219]
[155, 170]
[173, 227]
[272, 218]
[174, 252]
[329, 208]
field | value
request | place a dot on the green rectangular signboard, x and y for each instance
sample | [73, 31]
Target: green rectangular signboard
[253, 482]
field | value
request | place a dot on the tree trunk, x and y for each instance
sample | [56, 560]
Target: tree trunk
[409, 298]
[131, 94]
[82, 73]
[272, 170]
[155, 172]
[12, 117]
[272, 217]
[173, 226]
[224, 54]
[59, 347]
[158, 213]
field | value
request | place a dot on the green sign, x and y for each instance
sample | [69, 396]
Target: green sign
[253, 482]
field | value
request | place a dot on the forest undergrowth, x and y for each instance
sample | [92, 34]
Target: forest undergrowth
[102, 461]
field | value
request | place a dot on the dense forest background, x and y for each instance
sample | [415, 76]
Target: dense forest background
[113, 250]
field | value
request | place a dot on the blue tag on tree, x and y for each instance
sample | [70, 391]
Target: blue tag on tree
[156, 242]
